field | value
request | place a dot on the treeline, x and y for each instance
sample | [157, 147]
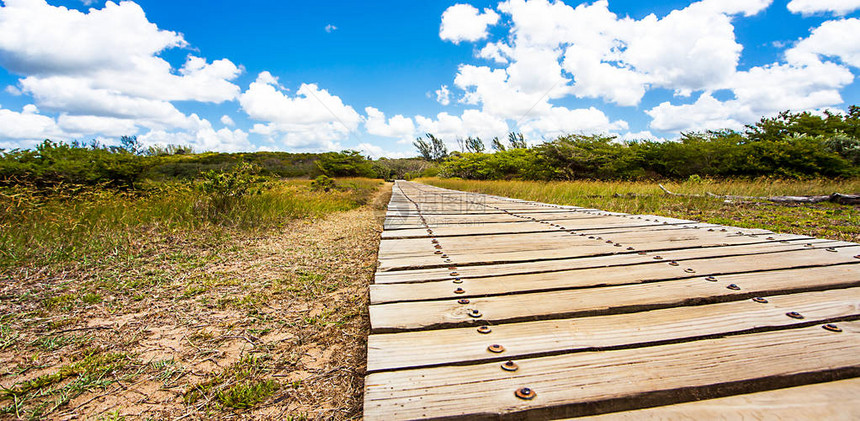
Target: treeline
[125, 166]
[791, 145]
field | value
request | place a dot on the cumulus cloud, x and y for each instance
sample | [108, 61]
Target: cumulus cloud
[810, 7]
[470, 123]
[463, 22]
[27, 125]
[101, 70]
[397, 126]
[330, 28]
[443, 95]
[837, 38]
[227, 121]
[376, 152]
[202, 138]
[561, 120]
[313, 119]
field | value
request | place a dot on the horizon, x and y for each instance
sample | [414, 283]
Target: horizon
[372, 77]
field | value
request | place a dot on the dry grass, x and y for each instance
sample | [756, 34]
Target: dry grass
[263, 324]
[824, 220]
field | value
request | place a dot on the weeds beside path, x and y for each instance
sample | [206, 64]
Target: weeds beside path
[823, 220]
[263, 324]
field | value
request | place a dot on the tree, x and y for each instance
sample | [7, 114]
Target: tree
[432, 149]
[345, 164]
[497, 145]
[131, 144]
[474, 145]
[517, 141]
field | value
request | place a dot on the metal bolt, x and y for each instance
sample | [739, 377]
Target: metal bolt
[485, 330]
[525, 393]
[689, 270]
[475, 313]
[831, 249]
[438, 246]
[832, 327]
[448, 260]
[444, 256]
[455, 273]
[733, 287]
[770, 238]
[673, 263]
[437, 252]
[723, 230]
[496, 348]
[807, 245]
[590, 237]
[794, 315]
[608, 241]
[463, 301]
[618, 245]
[457, 281]
[658, 257]
[630, 248]
[434, 241]
[760, 300]
[598, 238]
[459, 291]
[510, 366]
[641, 253]
[711, 279]
[710, 230]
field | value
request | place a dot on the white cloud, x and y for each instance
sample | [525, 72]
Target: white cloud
[227, 121]
[836, 38]
[470, 123]
[707, 113]
[330, 28]
[810, 7]
[203, 138]
[643, 135]
[102, 71]
[561, 121]
[397, 126]
[377, 152]
[27, 125]
[443, 95]
[463, 22]
[313, 119]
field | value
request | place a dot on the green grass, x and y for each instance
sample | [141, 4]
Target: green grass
[239, 386]
[826, 220]
[90, 225]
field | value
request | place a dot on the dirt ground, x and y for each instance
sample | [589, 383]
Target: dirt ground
[272, 326]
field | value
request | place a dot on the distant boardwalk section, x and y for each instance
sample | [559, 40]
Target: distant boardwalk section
[490, 307]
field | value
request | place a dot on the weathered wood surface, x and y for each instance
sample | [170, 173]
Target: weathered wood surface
[832, 401]
[664, 318]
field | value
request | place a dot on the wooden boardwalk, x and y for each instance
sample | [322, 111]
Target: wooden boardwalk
[489, 307]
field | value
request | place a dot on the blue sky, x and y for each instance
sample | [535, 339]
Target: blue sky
[331, 75]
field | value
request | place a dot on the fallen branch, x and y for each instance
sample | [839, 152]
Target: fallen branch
[842, 199]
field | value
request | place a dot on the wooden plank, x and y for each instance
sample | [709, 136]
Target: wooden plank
[592, 382]
[465, 272]
[395, 351]
[649, 270]
[607, 300]
[835, 401]
[558, 246]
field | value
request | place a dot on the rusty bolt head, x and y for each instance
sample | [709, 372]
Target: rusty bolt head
[475, 313]
[673, 263]
[794, 315]
[618, 245]
[438, 246]
[510, 366]
[710, 230]
[463, 301]
[590, 237]
[642, 253]
[437, 252]
[525, 393]
[630, 248]
[723, 230]
[485, 329]
[711, 279]
[434, 241]
[455, 273]
[832, 327]
[760, 300]
[770, 238]
[608, 241]
[459, 291]
[598, 238]
[496, 348]
[444, 255]
[733, 287]
[857, 256]
[658, 257]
